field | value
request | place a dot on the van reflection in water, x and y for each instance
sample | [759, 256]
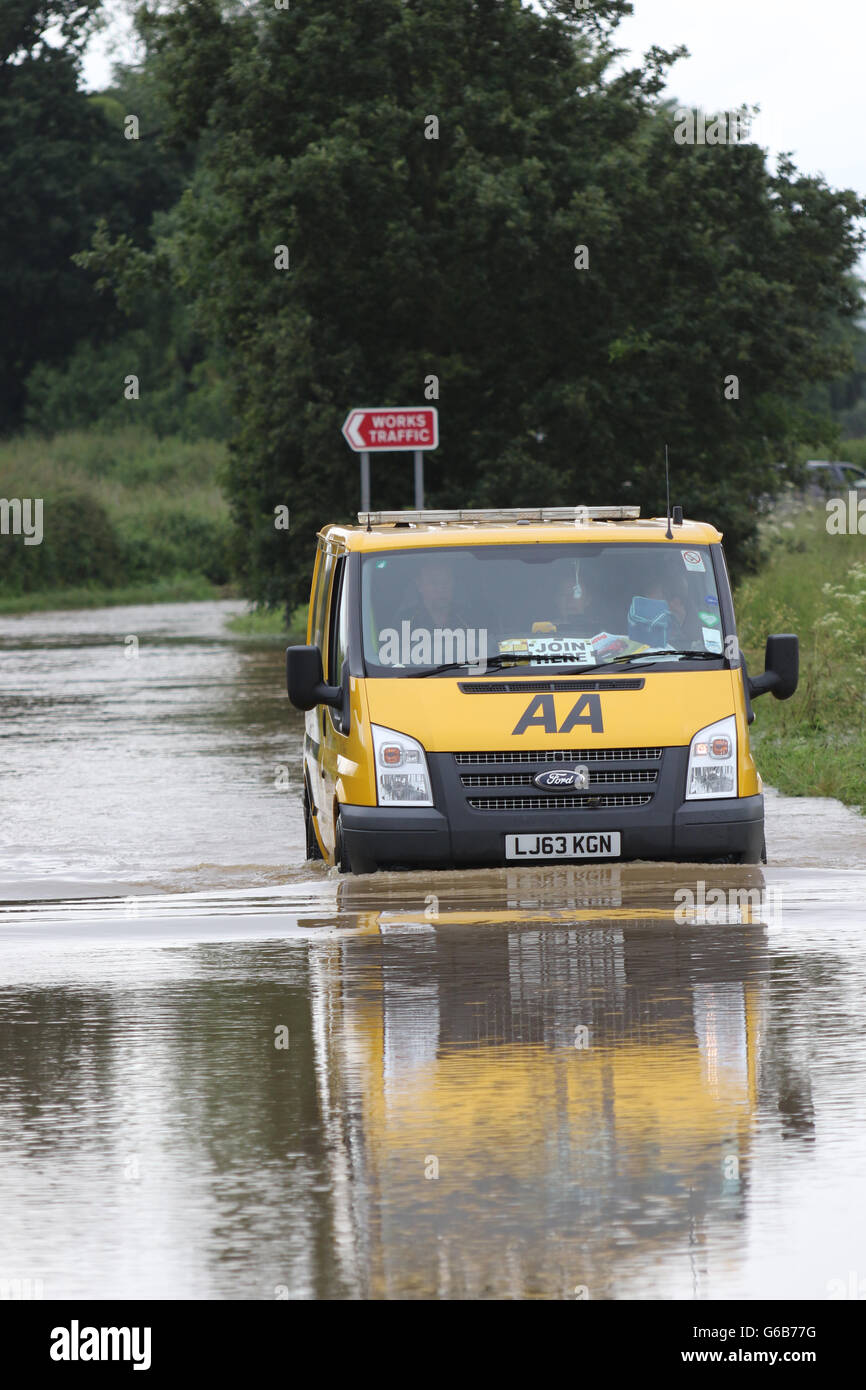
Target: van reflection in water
[541, 1091]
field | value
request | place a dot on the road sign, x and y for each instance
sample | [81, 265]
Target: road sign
[401, 429]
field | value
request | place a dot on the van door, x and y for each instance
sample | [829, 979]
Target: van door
[334, 738]
[316, 635]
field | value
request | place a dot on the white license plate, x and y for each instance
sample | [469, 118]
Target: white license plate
[589, 844]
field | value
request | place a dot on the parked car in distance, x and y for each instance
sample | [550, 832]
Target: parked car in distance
[827, 478]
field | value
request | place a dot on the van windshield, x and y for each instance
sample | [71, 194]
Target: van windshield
[539, 605]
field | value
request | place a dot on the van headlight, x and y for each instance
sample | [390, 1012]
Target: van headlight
[401, 769]
[713, 761]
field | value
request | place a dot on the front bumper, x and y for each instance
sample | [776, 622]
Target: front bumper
[464, 830]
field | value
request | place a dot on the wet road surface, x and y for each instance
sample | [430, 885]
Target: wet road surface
[226, 1073]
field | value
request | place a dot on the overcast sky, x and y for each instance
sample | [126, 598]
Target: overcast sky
[801, 61]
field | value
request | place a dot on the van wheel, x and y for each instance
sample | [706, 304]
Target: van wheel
[341, 854]
[313, 851]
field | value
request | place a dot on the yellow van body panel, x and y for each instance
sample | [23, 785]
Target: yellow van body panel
[343, 772]
[748, 777]
[668, 711]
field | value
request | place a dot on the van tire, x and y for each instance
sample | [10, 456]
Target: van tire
[341, 854]
[312, 844]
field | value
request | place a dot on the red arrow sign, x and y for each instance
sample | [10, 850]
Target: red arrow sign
[395, 429]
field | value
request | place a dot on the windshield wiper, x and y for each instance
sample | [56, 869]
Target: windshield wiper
[634, 658]
[569, 669]
[643, 657]
[502, 659]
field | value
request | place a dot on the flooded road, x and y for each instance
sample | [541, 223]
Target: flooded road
[229, 1074]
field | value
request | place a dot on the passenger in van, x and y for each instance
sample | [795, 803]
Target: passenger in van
[673, 591]
[664, 620]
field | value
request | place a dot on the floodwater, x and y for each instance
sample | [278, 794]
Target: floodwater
[229, 1074]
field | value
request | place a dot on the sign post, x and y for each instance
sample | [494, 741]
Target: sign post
[392, 430]
[419, 480]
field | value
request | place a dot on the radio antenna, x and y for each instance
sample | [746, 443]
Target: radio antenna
[669, 535]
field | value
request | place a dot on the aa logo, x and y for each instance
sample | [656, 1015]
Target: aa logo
[542, 712]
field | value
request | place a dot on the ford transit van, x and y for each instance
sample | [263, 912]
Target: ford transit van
[518, 686]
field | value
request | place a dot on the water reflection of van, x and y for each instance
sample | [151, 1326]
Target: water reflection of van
[522, 686]
[586, 1082]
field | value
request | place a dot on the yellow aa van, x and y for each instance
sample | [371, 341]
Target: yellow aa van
[525, 685]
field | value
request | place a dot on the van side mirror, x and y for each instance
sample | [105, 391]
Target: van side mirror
[782, 663]
[305, 681]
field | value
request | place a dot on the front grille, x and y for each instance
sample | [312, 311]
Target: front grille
[560, 755]
[524, 779]
[549, 803]
[549, 687]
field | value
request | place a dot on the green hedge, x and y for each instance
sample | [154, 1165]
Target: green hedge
[118, 510]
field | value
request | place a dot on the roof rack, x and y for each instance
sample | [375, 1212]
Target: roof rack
[432, 518]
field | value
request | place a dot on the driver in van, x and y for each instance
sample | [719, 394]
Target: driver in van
[436, 603]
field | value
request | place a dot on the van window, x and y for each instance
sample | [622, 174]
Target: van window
[323, 580]
[584, 604]
[338, 626]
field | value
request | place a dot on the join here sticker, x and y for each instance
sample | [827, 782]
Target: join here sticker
[575, 648]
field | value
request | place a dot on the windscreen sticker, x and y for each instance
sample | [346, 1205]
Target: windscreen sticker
[693, 560]
[711, 619]
[608, 644]
[574, 648]
[712, 639]
[712, 600]
[604, 645]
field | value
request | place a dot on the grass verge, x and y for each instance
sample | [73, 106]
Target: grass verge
[271, 622]
[119, 512]
[184, 588]
[814, 584]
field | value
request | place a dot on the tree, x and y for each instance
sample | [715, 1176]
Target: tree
[64, 165]
[697, 315]
[148, 331]
[47, 132]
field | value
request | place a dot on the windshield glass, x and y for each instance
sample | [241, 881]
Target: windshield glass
[542, 605]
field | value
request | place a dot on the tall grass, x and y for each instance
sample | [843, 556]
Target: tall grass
[271, 622]
[120, 508]
[814, 584]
